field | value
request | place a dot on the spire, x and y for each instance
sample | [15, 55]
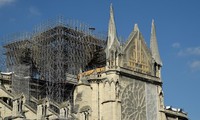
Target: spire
[154, 45]
[136, 27]
[112, 42]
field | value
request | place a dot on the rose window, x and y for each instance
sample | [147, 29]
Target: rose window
[134, 102]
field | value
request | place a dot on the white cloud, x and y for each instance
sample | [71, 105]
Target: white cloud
[6, 2]
[34, 11]
[190, 51]
[195, 65]
[176, 45]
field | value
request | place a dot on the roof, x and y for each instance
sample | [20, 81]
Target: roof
[176, 112]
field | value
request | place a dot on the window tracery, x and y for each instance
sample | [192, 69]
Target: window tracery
[139, 102]
[133, 102]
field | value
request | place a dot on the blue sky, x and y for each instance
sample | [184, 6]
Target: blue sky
[178, 33]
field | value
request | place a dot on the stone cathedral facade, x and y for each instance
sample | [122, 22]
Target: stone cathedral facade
[128, 87]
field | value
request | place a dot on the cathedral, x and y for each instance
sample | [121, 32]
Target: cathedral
[127, 87]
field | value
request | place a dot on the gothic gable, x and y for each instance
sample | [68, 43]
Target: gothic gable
[137, 56]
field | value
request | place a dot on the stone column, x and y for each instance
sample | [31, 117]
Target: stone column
[95, 100]
[101, 95]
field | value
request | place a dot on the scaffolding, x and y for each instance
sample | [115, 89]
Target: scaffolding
[52, 56]
[2, 58]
